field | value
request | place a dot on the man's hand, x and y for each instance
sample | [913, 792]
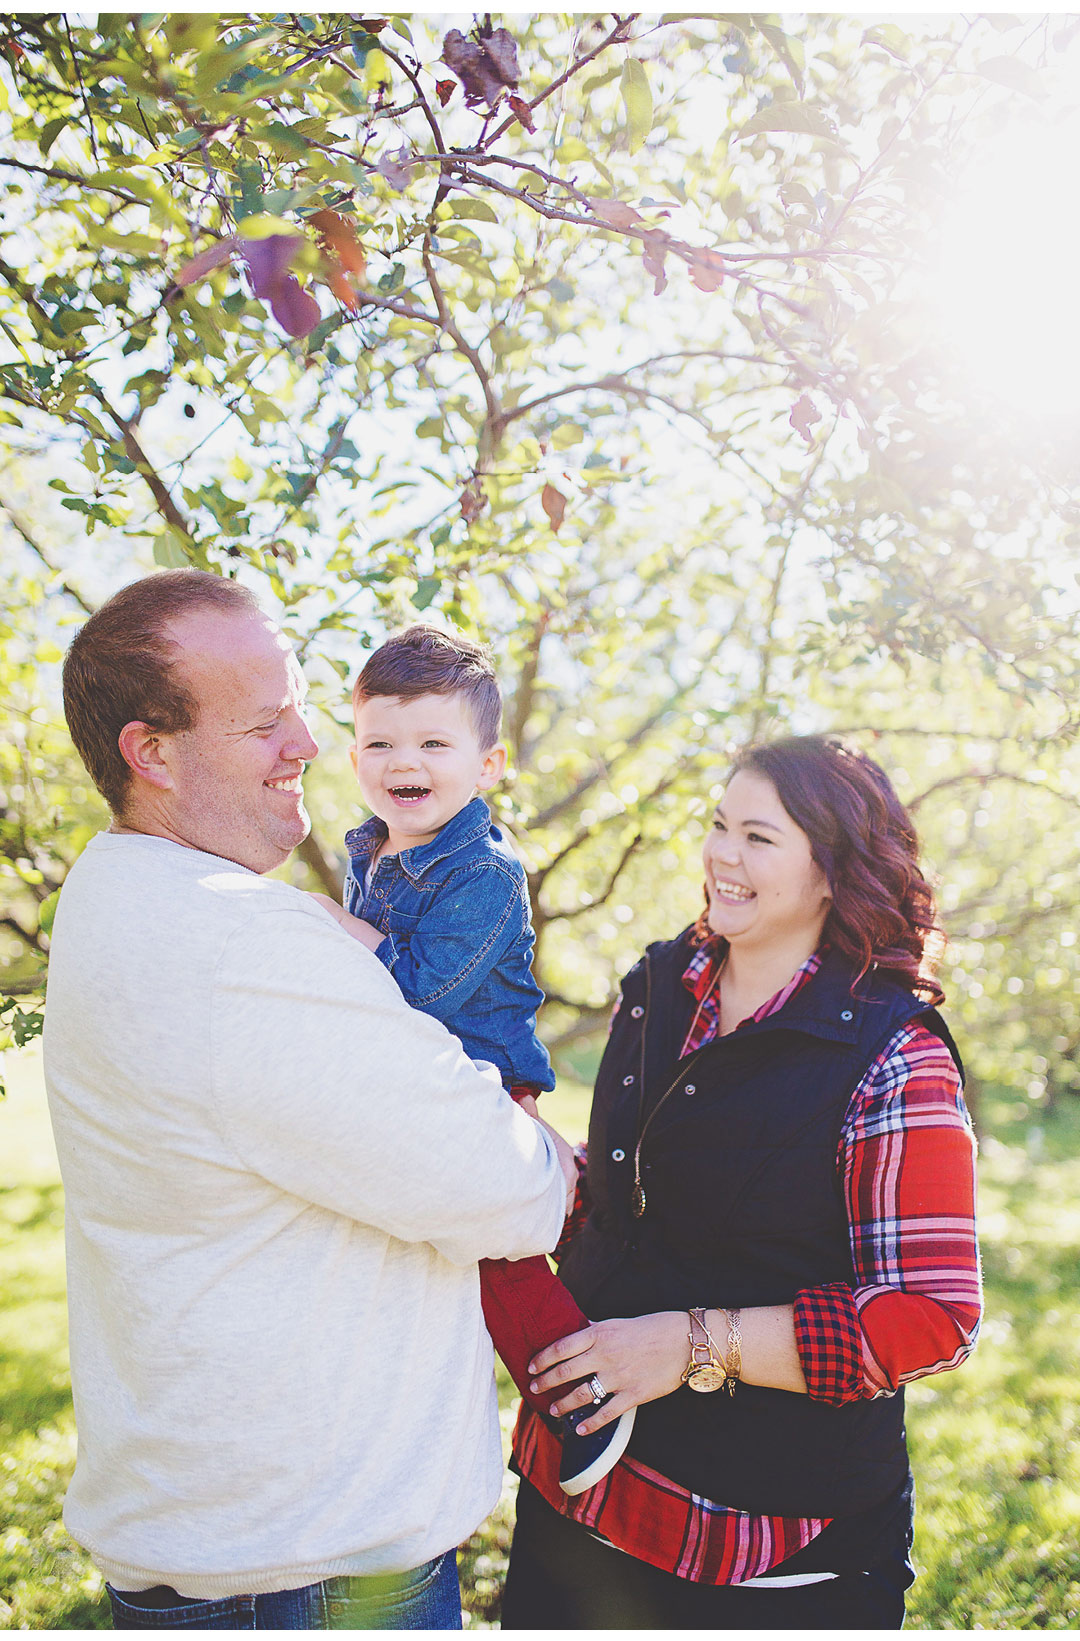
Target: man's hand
[566, 1158]
[367, 934]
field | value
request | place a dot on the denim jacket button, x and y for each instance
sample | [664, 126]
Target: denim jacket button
[618, 1155]
[846, 1014]
[636, 1012]
[627, 1080]
[691, 1088]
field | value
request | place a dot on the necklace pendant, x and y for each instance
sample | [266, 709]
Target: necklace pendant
[637, 1201]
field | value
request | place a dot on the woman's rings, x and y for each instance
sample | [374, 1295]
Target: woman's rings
[597, 1390]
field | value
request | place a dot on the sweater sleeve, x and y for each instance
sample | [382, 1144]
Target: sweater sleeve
[331, 1087]
[907, 1162]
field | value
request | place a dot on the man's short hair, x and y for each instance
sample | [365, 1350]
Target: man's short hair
[425, 660]
[121, 668]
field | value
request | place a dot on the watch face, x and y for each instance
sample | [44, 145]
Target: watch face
[706, 1377]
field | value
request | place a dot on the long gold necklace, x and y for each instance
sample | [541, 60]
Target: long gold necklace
[637, 1196]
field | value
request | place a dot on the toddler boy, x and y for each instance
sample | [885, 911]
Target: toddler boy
[434, 892]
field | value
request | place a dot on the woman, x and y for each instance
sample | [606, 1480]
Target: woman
[780, 1170]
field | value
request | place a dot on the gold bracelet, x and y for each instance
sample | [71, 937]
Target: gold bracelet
[733, 1359]
[706, 1369]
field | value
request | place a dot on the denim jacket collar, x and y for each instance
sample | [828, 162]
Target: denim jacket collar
[467, 826]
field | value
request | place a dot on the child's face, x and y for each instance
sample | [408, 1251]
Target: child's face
[419, 762]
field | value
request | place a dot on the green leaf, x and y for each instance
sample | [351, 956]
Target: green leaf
[249, 177]
[425, 592]
[290, 144]
[599, 80]
[803, 118]
[637, 102]
[788, 48]
[566, 434]
[474, 210]
[361, 44]
[47, 911]
[49, 133]
[392, 280]
[1017, 75]
[169, 553]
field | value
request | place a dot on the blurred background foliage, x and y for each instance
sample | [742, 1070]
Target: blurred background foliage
[620, 341]
[609, 338]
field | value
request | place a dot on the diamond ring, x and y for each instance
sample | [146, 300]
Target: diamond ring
[599, 1394]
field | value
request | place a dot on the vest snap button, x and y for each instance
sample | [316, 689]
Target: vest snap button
[691, 1088]
[627, 1081]
[846, 1014]
[636, 1012]
[618, 1155]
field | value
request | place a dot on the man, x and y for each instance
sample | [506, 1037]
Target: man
[279, 1177]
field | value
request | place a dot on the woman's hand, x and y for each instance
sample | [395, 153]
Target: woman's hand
[635, 1358]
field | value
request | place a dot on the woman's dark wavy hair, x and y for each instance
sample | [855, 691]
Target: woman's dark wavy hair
[883, 911]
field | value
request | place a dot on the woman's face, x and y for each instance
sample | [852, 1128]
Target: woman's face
[763, 884]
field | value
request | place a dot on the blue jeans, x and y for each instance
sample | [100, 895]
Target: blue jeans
[427, 1598]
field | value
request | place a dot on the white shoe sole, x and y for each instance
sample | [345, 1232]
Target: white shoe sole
[605, 1461]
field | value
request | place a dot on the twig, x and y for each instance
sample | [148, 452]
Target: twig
[57, 175]
[36, 547]
[618, 34]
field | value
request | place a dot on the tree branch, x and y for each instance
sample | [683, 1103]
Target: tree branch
[525, 692]
[599, 900]
[156, 485]
[328, 873]
[38, 942]
[57, 175]
[984, 777]
[35, 547]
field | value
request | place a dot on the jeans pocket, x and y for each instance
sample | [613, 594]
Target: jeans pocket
[425, 1597]
[230, 1613]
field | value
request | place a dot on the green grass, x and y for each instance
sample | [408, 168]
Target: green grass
[996, 1446]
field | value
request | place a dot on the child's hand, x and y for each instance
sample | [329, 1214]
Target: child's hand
[360, 930]
[528, 1105]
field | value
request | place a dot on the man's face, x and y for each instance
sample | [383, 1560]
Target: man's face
[235, 786]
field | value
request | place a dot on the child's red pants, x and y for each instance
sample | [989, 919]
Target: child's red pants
[526, 1307]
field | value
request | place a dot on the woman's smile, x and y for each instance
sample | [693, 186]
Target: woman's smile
[727, 890]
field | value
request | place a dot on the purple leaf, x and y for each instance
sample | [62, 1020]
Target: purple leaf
[294, 308]
[268, 262]
[396, 168]
[486, 68]
[206, 261]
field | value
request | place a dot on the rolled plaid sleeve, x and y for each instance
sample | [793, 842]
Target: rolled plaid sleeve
[907, 1162]
[829, 1341]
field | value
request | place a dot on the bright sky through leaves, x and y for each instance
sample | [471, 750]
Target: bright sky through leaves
[1009, 260]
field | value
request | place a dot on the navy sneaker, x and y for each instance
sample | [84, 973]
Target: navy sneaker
[588, 1459]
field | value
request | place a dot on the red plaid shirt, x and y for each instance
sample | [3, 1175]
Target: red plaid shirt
[906, 1158]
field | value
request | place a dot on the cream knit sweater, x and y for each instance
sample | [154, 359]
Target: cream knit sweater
[279, 1179]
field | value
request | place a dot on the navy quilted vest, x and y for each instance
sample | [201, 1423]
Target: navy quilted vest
[744, 1207]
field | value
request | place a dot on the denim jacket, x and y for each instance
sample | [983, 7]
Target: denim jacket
[455, 913]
